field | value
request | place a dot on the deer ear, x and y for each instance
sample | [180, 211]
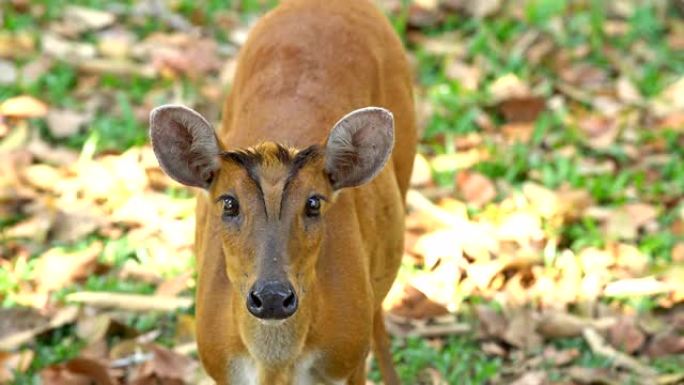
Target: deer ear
[358, 146]
[185, 145]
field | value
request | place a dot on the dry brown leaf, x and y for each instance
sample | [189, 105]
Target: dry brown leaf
[531, 378]
[78, 371]
[75, 224]
[23, 107]
[17, 320]
[417, 305]
[59, 48]
[475, 188]
[507, 87]
[522, 109]
[670, 100]
[17, 45]
[626, 335]
[65, 123]
[521, 227]
[93, 329]
[57, 268]
[600, 131]
[173, 286]
[492, 323]
[555, 324]
[626, 221]
[115, 43]
[635, 287]
[467, 76]
[166, 367]
[627, 91]
[87, 19]
[422, 17]
[438, 245]
[560, 357]
[11, 363]
[668, 342]
[521, 331]
[629, 258]
[518, 132]
[8, 73]
[422, 173]
[17, 337]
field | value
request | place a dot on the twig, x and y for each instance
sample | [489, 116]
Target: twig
[131, 302]
[600, 347]
[112, 66]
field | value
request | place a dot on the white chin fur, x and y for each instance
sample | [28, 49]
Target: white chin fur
[272, 322]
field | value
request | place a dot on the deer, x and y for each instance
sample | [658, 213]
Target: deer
[300, 196]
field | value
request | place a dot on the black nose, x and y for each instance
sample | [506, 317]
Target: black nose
[272, 300]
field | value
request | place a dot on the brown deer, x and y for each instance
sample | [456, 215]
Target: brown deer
[300, 215]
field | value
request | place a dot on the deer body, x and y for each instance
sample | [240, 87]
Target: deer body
[293, 262]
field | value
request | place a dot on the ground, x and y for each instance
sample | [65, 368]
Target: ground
[545, 233]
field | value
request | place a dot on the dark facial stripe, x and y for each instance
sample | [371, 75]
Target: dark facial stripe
[249, 162]
[302, 158]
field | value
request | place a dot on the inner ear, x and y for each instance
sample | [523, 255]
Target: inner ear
[358, 147]
[185, 145]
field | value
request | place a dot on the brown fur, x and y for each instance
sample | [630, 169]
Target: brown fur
[305, 65]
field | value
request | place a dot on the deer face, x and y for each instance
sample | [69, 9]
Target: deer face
[271, 201]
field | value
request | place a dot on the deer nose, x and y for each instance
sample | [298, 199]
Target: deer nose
[272, 300]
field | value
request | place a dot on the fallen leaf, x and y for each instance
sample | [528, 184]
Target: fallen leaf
[87, 19]
[65, 123]
[417, 305]
[520, 227]
[115, 43]
[492, 323]
[60, 48]
[521, 331]
[57, 268]
[468, 76]
[8, 72]
[173, 286]
[670, 100]
[11, 363]
[531, 378]
[665, 344]
[560, 357]
[475, 188]
[522, 109]
[23, 107]
[165, 367]
[636, 287]
[507, 87]
[16, 45]
[600, 131]
[18, 337]
[678, 252]
[626, 335]
[627, 91]
[422, 173]
[625, 222]
[78, 371]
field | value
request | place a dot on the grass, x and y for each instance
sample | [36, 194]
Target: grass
[458, 359]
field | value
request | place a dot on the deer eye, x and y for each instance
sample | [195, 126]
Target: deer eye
[231, 206]
[313, 206]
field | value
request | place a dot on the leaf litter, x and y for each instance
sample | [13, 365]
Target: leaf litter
[490, 256]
